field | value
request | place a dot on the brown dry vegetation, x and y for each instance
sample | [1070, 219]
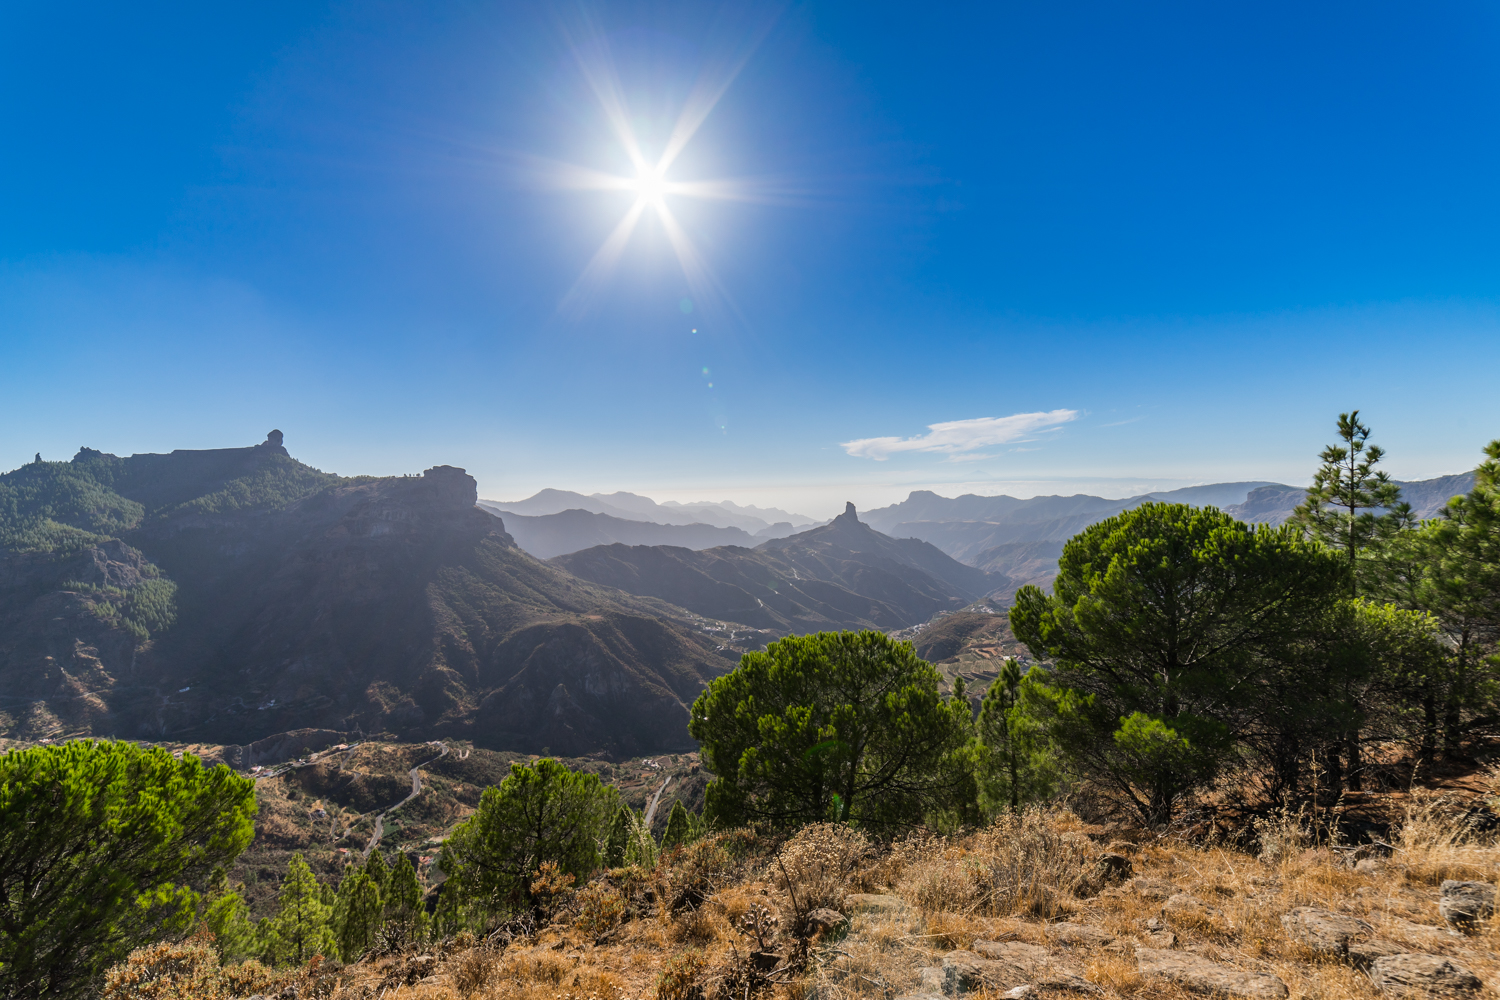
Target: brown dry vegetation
[728, 916]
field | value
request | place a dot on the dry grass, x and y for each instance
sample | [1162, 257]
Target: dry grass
[688, 930]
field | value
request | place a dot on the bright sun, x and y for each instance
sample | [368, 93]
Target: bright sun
[650, 185]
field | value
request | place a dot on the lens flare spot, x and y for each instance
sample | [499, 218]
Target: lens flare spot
[686, 305]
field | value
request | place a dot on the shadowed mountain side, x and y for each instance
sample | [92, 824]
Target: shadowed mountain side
[1024, 562]
[842, 575]
[829, 551]
[558, 534]
[375, 604]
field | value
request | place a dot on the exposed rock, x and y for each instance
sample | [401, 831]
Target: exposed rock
[1107, 869]
[1369, 866]
[1079, 935]
[1464, 904]
[1004, 964]
[1364, 953]
[823, 921]
[1153, 888]
[1017, 953]
[1324, 931]
[1423, 976]
[1185, 905]
[1200, 975]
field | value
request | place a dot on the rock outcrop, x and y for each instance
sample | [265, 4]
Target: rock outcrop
[1200, 975]
[1465, 904]
[1423, 976]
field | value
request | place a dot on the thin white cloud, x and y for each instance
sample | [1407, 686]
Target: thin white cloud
[955, 437]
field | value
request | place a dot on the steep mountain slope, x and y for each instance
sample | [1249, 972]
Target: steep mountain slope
[570, 530]
[1024, 562]
[235, 593]
[842, 575]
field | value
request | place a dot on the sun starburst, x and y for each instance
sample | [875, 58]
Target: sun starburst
[651, 182]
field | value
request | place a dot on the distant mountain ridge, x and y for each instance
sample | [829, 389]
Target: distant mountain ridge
[1275, 504]
[842, 575]
[557, 534]
[1006, 535]
[633, 507]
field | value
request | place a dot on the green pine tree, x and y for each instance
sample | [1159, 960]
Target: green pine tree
[229, 919]
[1014, 766]
[357, 913]
[303, 925]
[618, 839]
[375, 867]
[640, 844]
[1340, 507]
[679, 827]
[405, 921]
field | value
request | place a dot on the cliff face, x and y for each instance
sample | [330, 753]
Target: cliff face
[280, 600]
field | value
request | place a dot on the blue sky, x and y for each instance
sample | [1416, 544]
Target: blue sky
[1102, 248]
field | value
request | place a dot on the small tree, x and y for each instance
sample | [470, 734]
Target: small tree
[540, 812]
[1014, 766]
[103, 847]
[844, 726]
[376, 868]
[302, 926]
[1346, 491]
[228, 918]
[618, 839]
[405, 918]
[357, 913]
[679, 827]
[1449, 568]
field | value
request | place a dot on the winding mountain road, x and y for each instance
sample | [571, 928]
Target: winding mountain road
[416, 789]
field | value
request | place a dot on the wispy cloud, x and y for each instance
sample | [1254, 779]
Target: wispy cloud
[956, 437]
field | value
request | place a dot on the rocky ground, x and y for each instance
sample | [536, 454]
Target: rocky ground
[1041, 905]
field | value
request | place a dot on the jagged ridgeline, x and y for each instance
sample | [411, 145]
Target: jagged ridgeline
[222, 596]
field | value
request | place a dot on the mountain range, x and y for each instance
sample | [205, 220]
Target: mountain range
[226, 595]
[633, 507]
[841, 575]
[1022, 539]
[234, 593]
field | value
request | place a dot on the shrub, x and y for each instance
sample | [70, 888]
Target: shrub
[188, 971]
[678, 980]
[600, 909]
[817, 868]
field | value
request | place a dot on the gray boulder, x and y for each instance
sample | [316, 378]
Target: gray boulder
[1423, 976]
[1324, 931]
[1197, 974]
[1464, 904]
